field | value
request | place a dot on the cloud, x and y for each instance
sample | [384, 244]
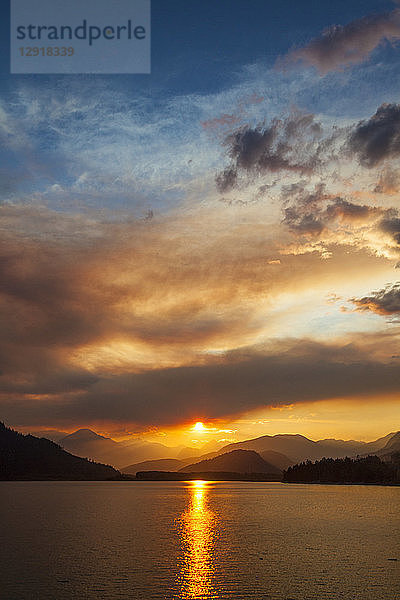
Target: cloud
[389, 182]
[80, 296]
[317, 211]
[320, 221]
[349, 211]
[302, 223]
[287, 144]
[221, 121]
[304, 215]
[383, 302]
[391, 225]
[227, 179]
[138, 320]
[342, 45]
[378, 138]
[303, 372]
[132, 313]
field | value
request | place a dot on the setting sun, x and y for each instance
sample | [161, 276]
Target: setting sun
[199, 426]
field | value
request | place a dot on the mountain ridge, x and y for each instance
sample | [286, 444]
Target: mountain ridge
[237, 461]
[288, 448]
[299, 448]
[26, 457]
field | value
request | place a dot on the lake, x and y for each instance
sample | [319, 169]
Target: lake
[198, 540]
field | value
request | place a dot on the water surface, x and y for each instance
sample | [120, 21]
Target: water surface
[198, 541]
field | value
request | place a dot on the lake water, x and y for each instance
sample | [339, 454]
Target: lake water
[198, 540]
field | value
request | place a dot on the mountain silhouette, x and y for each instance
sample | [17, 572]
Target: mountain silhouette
[89, 444]
[392, 447]
[299, 448]
[281, 451]
[86, 436]
[162, 464]
[29, 457]
[380, 443]
[279, 460]
[237, 461]
[50, 434]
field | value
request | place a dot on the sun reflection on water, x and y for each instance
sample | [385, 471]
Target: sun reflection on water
[197, 534]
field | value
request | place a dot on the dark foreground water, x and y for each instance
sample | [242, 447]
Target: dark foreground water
[197, 540]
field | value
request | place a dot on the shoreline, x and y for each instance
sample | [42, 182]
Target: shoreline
[188, 480]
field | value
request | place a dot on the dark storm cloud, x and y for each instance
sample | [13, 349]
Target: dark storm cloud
[303, 373]
[377, 138]
[383, 302]
[288, 144]
[343, 45]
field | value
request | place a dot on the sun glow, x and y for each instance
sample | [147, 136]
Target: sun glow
[199, 427]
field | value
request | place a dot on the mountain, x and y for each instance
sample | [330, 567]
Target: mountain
[298, 448]
[209, 448]
[50, 434]
[277, 459]
[88, 444]
[84, 436]
[140, 450]
[351, 447]
[205, 476]
[280, 451]
[237, 461]
[380, 443]
[204, 451]
[163, 464]
[29, 457]
[295, 447]
[394, 443]
[390, 448]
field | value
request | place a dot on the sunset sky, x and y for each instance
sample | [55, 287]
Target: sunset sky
[218, 241]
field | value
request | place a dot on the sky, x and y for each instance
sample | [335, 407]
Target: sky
[218, 241]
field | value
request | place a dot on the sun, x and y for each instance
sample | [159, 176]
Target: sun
[199, 426]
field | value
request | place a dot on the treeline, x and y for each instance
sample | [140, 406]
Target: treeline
[370, 469]
[204, 475]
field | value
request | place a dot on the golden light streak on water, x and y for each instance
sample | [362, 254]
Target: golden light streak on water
[197, 534]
